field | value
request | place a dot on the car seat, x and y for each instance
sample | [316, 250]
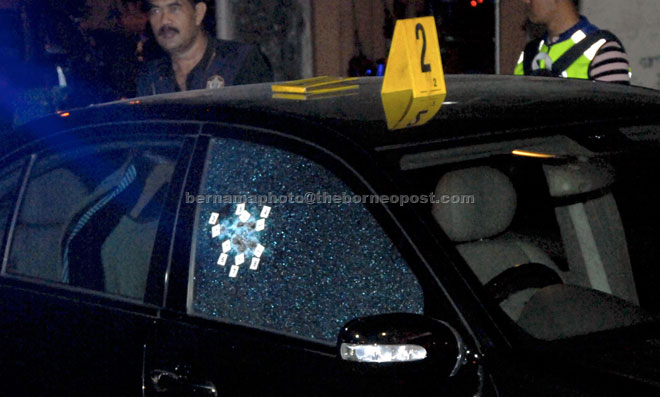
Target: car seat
[81, 244]
[108, 243]
[48, 204]
[591, 228]
[479, 228]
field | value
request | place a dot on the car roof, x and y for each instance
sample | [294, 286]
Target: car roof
[475, 105]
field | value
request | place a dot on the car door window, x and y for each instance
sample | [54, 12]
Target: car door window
[283, 261]
[89, 215]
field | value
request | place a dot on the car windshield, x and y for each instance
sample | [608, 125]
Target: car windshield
[561, 231]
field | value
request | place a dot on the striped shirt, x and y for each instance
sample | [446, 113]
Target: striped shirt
[610, 64]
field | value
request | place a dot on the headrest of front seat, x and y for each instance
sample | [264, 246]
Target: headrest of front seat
[578, 178]
[488, 214]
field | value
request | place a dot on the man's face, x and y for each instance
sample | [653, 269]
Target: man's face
[176, 23]
[540, 11]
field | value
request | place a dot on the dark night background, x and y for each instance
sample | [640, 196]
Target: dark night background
[99, 53]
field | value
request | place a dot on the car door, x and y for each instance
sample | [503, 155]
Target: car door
[274, 254]
[82, 212]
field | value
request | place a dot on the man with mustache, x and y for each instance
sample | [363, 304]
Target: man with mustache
[572, 47]
[195, 59]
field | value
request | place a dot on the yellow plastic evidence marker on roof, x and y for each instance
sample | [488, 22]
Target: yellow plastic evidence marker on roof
[315, 85]
[312, 97]
[414, 84]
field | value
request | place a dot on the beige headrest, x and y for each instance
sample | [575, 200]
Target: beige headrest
[488, 214]
[577, 178]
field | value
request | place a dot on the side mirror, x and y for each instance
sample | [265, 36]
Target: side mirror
[401, 338]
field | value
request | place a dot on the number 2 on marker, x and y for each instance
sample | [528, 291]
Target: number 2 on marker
[420, 28]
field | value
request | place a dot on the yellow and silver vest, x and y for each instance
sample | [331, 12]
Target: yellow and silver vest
[569, 58]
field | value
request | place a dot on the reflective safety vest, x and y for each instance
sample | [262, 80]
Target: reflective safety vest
[569, 58]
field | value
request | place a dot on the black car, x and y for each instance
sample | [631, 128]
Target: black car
[237, 242]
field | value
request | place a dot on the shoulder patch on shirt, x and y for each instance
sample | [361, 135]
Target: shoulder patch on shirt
[215, 81]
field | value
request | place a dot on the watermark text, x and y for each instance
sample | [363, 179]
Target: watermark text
[312, 198]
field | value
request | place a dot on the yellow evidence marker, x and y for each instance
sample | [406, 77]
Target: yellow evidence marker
[312, 87]
[414, 84]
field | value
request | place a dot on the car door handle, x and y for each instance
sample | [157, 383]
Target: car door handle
[166, 381]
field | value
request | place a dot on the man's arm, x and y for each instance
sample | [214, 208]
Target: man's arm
[610, 64]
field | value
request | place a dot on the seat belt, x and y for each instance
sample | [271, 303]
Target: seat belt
[126, 180]
[575, 52]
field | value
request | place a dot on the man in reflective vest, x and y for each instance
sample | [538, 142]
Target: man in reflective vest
[572, 47]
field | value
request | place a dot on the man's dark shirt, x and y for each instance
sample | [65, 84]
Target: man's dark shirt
[224, 63]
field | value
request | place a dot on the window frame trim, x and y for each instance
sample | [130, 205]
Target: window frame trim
[34, 150]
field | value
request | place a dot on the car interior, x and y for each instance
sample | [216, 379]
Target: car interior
[543, 232]
[92, 227]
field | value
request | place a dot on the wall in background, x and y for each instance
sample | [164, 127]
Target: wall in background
[306, 38]
[282, 29]
[334, 33]
[637, 24]
[512, 34]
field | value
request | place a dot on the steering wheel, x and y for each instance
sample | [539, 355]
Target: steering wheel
[519, 278]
